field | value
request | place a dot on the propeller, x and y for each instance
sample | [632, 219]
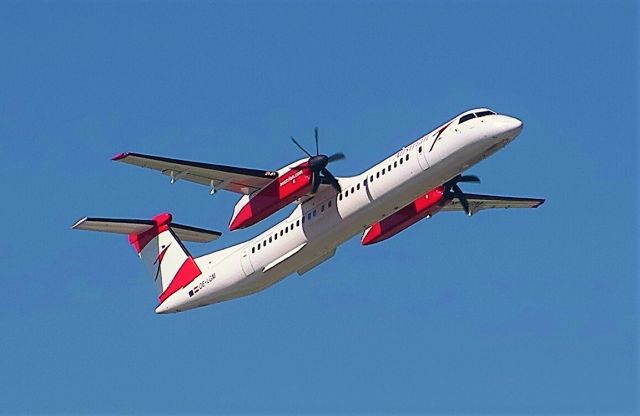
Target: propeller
[318, 165]
[452, 190]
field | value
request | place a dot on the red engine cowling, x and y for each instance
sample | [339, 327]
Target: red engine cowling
[282, 191]
[426, 204]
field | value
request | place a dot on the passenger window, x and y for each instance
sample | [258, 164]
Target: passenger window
[258, 246]
[371, 178]
[340, 196]
[298, 223]
[322, 208]
[281, 232]
[303, 219]
[286, 230]
[358, 186]
[346, 193]
[401, 161]
[270, 239]
[352, 189]
[389, 168]
[329, 203]
[364, 183]
[253, 249]
[383, 171]
[407, 157]
[275, 236]
[377, 174]
[395, 164]
[420, 149]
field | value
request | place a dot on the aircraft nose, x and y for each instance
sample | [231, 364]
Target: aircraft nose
[511, 126]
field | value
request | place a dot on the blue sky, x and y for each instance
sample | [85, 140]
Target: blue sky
[508, 312]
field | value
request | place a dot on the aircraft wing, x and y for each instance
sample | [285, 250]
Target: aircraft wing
[479, 202]
[240, 180]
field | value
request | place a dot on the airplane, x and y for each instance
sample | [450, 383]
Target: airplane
[379, 202]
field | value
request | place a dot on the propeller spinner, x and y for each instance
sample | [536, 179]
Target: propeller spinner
[318, 165]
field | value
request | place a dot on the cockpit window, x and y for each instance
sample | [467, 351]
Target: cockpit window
[466, 117]
[484, 113]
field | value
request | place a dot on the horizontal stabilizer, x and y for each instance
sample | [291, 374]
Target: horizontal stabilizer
[130, 226]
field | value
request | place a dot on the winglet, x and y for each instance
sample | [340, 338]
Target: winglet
[120, 156]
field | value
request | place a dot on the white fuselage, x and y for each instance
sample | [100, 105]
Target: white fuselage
[297, 245]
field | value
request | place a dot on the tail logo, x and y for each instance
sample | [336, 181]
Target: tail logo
[159, 259]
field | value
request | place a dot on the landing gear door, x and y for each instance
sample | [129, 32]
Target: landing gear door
[245, 260]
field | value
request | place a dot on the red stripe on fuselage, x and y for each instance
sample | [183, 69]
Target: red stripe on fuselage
[438, 134]
[443, 129]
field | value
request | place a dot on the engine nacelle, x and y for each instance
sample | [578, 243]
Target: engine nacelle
[425, 205]
[290, 185]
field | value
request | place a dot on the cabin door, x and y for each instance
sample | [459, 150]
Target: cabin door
[245, 260]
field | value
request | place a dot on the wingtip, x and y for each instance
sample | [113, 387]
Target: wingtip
[77, 223]
[120, 156]
[542, 201]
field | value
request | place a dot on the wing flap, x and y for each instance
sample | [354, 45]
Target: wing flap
[479, 202]
[231, 178]
[128, 226]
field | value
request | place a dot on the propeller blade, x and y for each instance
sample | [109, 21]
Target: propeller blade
[315, 182]
[462, 198]
[468, 178]
[332, 179]
[337, 156]
[301, 148]
[452, 181]
[461, 178]
[318, 163]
